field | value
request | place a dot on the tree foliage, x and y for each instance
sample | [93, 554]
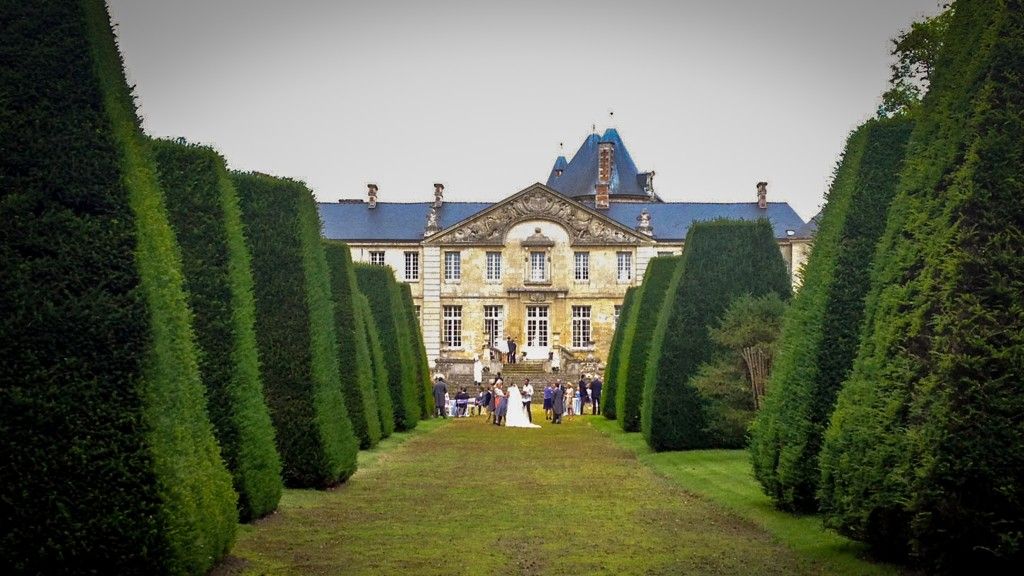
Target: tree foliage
[109, 460]
[925, 450]
[914, 52]
[611, 368]
[721, 260]
[381, 384]
[822, 326]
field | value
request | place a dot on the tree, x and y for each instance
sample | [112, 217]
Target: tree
[915, 52]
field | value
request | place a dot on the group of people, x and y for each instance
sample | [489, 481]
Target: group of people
[511, 405]
[562, 399]
[506, 350]
[508, 406]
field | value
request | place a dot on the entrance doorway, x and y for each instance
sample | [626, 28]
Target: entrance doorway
[538, 333]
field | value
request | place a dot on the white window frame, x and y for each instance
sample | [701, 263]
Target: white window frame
[452, 266]
[581, 266]
[536, 318]
[377, 257]
[452, 326]
[493, 265]
[494, 314]
[541, 258]
[412, 266]
[582, 328]
[624, 266]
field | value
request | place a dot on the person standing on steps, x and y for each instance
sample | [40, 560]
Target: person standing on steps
[557, 402]
[595, 395]
[512, 347]
[528, 399]
[440, 394]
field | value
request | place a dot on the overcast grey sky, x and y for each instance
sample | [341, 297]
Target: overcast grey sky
[713, 95]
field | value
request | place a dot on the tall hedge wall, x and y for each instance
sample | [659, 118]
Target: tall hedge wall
[925, 449]
[109, 460]
[379, 370]
[419, 349]
[611, 368]
[203, 210]
[354, 362]
[721, 260]
[821, 330]
[295, 331]
[378, 284]
[637, 340]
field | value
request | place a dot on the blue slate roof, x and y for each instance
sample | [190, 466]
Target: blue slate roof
[580, 175]
[354, 221]
[560, 164]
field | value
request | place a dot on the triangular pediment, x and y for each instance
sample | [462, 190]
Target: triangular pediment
[586, 226]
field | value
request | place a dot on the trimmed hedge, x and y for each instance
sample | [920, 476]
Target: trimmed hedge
[925, 450]
[109, 460]
[295, 331]
[379, 286]
[379, 370]
[419, 351]
[354, 362]
[203, 210]
[611, 368]
[721, 260]
[637, 340]
[821, 328]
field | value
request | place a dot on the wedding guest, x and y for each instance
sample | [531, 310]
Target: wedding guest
[595, 394]
[484, 402]
[461, 403]
[549, 393]
[584, 394]
[557, 402]
[440, 397]
[571, 400]
[500, 405]
[510, 346]
[528, 399]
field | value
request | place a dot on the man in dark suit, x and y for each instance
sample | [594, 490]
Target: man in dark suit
[595, 395]
[440, 389]
[512, 349]
[557, 403]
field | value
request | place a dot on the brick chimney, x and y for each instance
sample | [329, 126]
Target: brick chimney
[438, 195]
[371, 193]
[605, 166]
[762, 195]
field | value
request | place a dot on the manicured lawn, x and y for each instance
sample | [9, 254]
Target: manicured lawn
[465, 497]
[725, 478]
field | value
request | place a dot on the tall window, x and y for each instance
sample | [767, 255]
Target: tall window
[580, 326]
[452, 266]
[581, 261]
[538, 266]
[377, 257]
[453, 326]
[494, 266]
[494, 323]
[412, 266]
[625, 266]
[537, 326]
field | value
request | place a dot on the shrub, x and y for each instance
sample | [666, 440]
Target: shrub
[295, 331]
[611, 368]
[109, 460]
[821, 334]
[203, 210]
[379, 286]
[637, 340]
[721, 260]
[725, 384]
[924, 451]
[379, 370]
[422, 373]
[354, 367]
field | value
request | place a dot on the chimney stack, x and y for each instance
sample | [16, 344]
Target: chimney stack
[605, 166]
[762, 195]
[438, 195]
[371, 193]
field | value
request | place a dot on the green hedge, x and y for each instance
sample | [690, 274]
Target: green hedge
[611, 368]
[379, 370]
[378, 284]
[203, 210]
[925, 449]
[721, 260]
[821, 331]
[354, 362]
[295, 331]
[637, 340]
[109, 460]
[427, 408]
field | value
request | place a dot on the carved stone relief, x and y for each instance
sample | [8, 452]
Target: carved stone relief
[584, 227]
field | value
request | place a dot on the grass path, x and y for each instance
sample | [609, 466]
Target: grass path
[470, 498]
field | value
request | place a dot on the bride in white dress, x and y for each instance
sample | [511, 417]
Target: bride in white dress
[516, 417]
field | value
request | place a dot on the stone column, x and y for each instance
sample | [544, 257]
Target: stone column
[431, 310]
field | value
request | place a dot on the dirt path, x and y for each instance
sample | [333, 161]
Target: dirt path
[470, 498]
